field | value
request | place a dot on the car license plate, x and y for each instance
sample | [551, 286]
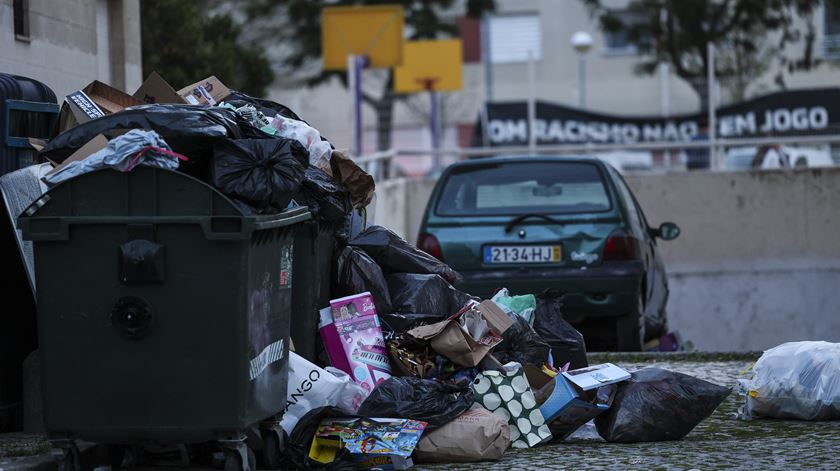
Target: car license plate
[522, 254]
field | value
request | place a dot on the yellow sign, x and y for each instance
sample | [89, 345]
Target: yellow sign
[374, 31]
[429, 65]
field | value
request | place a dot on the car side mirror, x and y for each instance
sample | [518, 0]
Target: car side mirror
[668, 231]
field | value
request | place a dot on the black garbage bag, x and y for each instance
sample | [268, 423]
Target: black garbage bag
[297, 444]
[656, 405]
[521, 344]
[419, 399]
[567, 344]
[395, 255]
[327, 200]
[400, 323]
[263, 173]
[189, 130]
[431, 294]
[356, 273]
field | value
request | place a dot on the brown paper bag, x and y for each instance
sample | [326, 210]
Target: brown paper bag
[475, 435]
[448, 339]
[360, 185]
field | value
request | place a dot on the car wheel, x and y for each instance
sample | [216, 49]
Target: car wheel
[630, 329]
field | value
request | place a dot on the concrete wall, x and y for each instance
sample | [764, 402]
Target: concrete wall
[757, 263]
[73, 42]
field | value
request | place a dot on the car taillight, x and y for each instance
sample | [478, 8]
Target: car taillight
[621, 246]
[429, 244]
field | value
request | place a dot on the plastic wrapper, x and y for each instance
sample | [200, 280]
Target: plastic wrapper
[419, 399]
[319, 151]
[395, 255]
[356, 273]
[266, 107]
[522, 345]
[523, 305]
[430, 294]
[123, 153]
[189, 130]
[327, 200]
[394, 325]
[796, 380]
[352, 396]
[263, 173]
[567, 344]
[657, 405]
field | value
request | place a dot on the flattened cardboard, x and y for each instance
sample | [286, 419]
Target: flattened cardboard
[595, 376]
[156, 90]
[94, 145]
[207, 92]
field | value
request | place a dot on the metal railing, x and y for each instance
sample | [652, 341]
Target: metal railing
[669, 156]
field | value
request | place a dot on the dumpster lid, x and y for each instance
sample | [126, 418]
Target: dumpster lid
[146, 195]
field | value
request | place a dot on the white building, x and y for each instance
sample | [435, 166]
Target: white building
[66, 44]
[544, 27]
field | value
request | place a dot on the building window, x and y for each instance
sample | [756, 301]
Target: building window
[618, 42]
[512, 37]
[21, 14]
[831, 29]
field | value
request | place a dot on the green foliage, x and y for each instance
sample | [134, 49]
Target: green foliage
[678, 31]
[184, 44]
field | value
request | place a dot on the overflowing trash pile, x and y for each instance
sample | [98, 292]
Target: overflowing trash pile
[411, 368]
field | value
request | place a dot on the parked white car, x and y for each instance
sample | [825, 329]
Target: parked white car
[741, 158]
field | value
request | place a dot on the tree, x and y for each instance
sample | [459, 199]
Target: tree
[301, 31]
[184, 44]
[678, 32]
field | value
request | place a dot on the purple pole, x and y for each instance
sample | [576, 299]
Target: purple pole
[435, 130]
[359, 64]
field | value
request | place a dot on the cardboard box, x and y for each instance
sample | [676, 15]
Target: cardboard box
[93, 101]
[371, 443]
[567, 407]
[596, 376]
[207, 92]
[156, 90]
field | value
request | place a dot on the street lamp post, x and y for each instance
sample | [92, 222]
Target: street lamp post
[582, 42]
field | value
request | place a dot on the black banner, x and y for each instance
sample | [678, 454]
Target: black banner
[797, 112]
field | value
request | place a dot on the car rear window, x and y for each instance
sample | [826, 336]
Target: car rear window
[524, 187]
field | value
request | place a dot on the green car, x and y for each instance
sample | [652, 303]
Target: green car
[535, 223]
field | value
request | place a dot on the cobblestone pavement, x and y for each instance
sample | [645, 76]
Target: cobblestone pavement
[719, 442]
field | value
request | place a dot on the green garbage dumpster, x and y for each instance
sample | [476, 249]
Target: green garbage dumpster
[314, 247]
[163, 311]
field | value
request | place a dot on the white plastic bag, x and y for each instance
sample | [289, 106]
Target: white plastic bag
[309, 387]
[796, 380]
[352, 396]
[319, 151]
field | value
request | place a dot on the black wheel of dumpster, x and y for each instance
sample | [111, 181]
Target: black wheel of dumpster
[272, 452]
[233, 461]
